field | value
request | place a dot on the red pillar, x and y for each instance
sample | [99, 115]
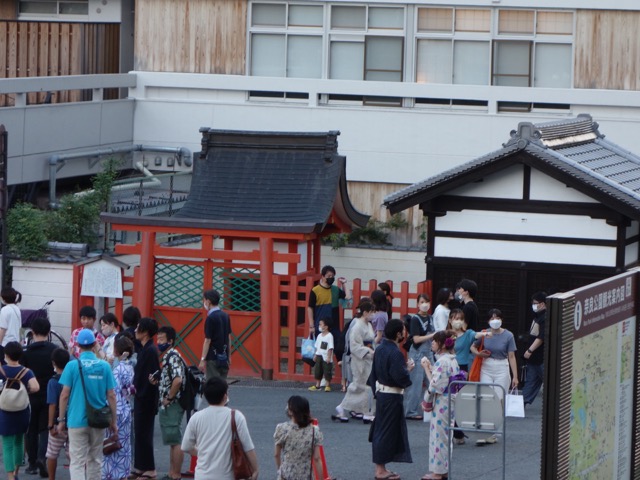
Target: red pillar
[270, 325]
[143, 296]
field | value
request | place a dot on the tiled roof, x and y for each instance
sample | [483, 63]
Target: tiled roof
[573, 147]
[265, 181]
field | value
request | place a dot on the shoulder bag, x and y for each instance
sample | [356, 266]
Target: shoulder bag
[239, 460]
[476, 366]
[96, 417]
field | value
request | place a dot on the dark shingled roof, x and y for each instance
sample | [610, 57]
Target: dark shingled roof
[573, 150]
[264, 181]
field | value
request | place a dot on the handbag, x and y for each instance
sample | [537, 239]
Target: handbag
[308, 350]
[239, 460]
[14, 396]
[476, 366]
[523, 375]
[96, 417]
[514, 404]
[111, 444]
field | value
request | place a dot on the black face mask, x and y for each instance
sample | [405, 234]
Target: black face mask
[330, 280]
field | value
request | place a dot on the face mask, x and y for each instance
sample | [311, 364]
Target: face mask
[495, 324]
[458, 297]
[106, 331]
[163, 347]
[227, 402]
[330, 280]
[424, 307]
[534, 307]
[204, 305]
[457, 324]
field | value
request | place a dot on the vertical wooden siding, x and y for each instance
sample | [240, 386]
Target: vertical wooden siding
[40, 49]
[607, 50]
[191, 36]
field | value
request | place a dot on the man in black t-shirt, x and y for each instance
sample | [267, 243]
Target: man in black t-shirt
[534, 355]
[466, 291]
[37, 357]
[216, 351]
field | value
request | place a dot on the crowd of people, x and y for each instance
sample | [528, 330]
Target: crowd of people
[386, 387]
[115, 379]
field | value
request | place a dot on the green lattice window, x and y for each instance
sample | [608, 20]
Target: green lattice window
[239, 288]
[178, 285]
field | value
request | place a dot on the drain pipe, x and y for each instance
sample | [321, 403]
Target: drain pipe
[56, 162]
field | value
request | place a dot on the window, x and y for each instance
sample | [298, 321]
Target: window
[53, 8]
[366, 43]
[346, 42]
[286, 40]
[505, 47]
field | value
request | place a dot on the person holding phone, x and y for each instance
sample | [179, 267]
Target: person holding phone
[499, 356]
[145, 406]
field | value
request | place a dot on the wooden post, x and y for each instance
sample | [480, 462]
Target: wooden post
[269, 321]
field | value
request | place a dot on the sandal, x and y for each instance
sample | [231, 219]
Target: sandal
[389, 476]
[340, 419]
[356, 415]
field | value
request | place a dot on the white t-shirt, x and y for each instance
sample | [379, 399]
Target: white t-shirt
[11, 321]
[440, 318]
[324, 343]
[209, 431]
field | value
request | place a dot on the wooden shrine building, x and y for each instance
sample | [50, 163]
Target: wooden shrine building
[251, 227]
[557, 207]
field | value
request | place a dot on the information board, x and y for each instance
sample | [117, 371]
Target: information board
[590, 404]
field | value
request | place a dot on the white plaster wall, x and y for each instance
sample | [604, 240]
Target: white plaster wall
[516, 223]
[504, 184]
[631, 254]
[543, 187]
[39, 282]
[526, 252]
[376, 264]
[633, 229]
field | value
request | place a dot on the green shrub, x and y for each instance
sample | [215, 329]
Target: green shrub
[26, 236]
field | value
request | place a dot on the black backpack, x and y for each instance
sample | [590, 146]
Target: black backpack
[191, 386]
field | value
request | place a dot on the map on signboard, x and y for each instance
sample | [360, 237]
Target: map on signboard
[102, 279]
[602, 385]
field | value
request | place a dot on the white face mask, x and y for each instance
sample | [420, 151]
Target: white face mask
[424, 307]
[534, 307]
[204, 305]
[496, 323]
[457, 324]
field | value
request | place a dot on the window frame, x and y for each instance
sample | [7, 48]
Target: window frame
[492, 37]
[57, 16]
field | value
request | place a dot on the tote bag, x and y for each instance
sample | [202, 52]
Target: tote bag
[308, 350]
[476, 366]
[514, 404]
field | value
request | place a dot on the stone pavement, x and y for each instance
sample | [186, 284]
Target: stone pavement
[347, 450]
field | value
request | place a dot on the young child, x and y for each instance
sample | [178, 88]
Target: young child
[60, 358]
[87, 320]
[323, 357]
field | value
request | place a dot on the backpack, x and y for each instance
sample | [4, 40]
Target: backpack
[14, 396]
[191, 386]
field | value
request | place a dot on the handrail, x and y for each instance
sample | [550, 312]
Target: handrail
[21, 85]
